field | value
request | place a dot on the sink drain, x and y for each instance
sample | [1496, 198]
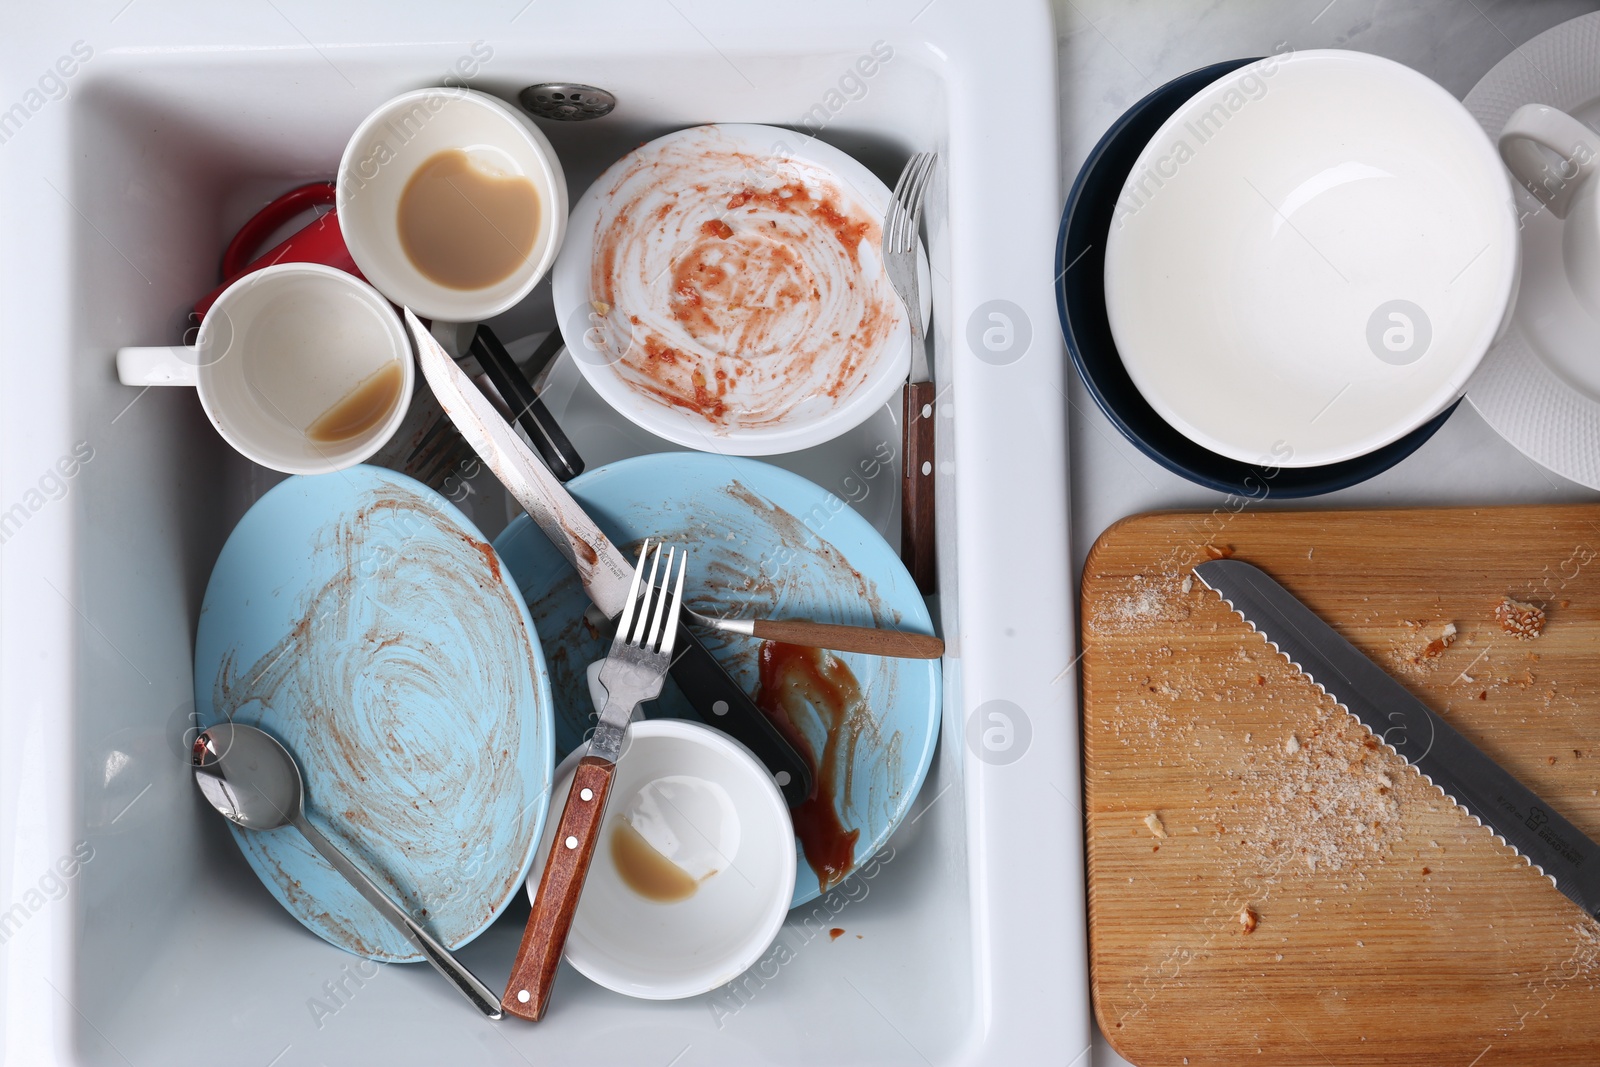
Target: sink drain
[566, 102]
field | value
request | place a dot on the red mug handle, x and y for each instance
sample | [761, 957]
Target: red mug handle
[320, 241]
[247, 242]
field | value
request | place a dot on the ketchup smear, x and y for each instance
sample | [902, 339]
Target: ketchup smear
[793, 680]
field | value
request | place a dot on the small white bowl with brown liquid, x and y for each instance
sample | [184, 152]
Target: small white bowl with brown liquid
[693, 873]
[452, 203]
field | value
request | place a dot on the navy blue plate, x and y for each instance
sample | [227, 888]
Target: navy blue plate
[1081, 302]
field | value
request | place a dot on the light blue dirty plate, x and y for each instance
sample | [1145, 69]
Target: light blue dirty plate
[762, 542]
[360, 619]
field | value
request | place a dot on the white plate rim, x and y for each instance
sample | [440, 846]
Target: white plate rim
[1535, 409]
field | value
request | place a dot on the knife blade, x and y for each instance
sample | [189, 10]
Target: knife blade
[604, 571]
[1464, 773]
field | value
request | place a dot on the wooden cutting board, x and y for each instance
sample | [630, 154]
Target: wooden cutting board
[1223, 790]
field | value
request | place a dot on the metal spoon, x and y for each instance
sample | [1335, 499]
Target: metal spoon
[255, 783]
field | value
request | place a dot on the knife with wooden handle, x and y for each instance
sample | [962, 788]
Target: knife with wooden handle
[868, 640]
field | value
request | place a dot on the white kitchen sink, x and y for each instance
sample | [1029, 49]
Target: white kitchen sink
[161, 947]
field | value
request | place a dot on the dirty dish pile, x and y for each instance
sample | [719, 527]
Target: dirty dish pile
[1286, 271]
[373, 685]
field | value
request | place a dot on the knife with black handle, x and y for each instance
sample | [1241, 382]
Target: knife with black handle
[526, 407]
[1462, 771]
[604, 570]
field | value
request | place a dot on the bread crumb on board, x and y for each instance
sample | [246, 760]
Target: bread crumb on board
[1521, 620]
[1350, 806]
[1329, 807]
[1153, 821]
[1419, 646]
[1446, 638]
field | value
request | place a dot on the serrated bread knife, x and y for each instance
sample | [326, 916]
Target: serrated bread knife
[1457, 767]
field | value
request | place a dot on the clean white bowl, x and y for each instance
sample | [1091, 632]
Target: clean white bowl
[728, 816]
[386, 150]
[788, 398]
[1310, 258]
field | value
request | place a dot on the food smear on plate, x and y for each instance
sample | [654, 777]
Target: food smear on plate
[404, 739]
[747, 289]
[464, 226]
[361, 408]
[798, 686]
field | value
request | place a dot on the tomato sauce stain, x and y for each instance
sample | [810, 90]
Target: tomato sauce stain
[771, 304]
[798, 684]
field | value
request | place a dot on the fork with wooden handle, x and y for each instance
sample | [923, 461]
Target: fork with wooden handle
[633, 671]
[870, 640]
[900, 225]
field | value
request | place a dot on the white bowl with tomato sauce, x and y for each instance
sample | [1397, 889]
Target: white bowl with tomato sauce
[723, 288]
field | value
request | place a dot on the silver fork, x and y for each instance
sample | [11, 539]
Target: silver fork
[900, 225]
[901, 222]
[638, 662]
[634, 669]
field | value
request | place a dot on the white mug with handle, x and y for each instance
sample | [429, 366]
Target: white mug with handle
[302, 368]
[1555, 157]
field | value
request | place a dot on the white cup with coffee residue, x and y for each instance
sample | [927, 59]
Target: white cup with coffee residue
[451, 203]
[300, 367]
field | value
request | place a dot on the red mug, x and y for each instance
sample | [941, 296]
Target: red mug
[320, 241]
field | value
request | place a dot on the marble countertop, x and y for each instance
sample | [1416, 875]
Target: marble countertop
[1112, 52]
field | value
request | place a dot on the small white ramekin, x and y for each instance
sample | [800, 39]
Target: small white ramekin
[665, 951]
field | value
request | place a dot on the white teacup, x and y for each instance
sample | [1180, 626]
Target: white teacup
[386, 151]
[280, 351]
[1555, 157]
